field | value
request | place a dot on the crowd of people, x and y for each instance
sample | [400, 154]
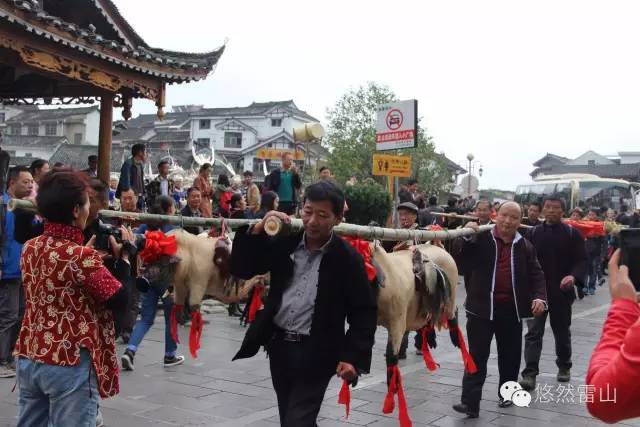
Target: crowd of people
[69, 288]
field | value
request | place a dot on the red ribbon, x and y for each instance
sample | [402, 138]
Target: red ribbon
[344, 398]
[587, 228]
[395, 387]
[256, 302]
[426, 354]
[156, 245]
[363, 248]
[469, 364]
[195, 333]
[173, 322]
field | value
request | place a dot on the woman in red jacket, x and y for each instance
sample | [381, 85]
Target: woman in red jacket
[614, 370]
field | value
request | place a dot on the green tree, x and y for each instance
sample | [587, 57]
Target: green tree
[351, 139]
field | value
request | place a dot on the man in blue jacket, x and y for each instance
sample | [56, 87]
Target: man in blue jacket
[11, 293]
[132, 175]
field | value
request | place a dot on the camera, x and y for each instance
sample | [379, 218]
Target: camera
[104, 230]
[630, 253]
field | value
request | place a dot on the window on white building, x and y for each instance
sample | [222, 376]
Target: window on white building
[232, 140]
[205, 124]
[77, 138]
[2, 117]
[15, 130]
[591, 162]
[203, 142]
[50, 129]
[276, 123]
[32, 130]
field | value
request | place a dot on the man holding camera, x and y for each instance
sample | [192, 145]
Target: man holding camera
[561, 253]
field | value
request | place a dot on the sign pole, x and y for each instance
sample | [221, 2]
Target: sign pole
[396, 201]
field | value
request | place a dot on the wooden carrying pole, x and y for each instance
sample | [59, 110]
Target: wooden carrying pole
[274, 226]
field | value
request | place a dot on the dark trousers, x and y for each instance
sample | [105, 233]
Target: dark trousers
[299, 391]
[508, 331]
[288, 208]
[560, 318]
[11, 312]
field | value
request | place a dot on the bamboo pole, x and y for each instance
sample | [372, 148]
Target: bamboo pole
[455, 216]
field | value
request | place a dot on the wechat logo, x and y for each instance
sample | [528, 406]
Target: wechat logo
[512, 391]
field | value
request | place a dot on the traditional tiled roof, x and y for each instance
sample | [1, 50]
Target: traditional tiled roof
[630, 171]
[23, 141]
[171, 136]
[453, 166]
[111, 39]
[549, 156]
[50, 114]
[255, 109]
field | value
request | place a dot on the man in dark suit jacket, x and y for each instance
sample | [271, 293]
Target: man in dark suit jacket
[317, 282]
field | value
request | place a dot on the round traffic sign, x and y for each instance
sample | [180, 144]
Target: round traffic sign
[394, 119]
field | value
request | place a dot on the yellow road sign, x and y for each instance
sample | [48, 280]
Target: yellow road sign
[387, 165]
[276, 154]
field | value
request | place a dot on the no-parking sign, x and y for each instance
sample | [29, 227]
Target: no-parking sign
[397, 125]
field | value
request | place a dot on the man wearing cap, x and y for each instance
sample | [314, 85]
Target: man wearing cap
[408, 215]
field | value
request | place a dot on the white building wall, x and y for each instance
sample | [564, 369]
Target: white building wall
[92, 128]
[629, 157]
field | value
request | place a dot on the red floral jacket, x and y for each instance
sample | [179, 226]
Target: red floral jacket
[65, 285]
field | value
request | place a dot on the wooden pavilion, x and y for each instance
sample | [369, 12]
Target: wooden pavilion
[84, 51]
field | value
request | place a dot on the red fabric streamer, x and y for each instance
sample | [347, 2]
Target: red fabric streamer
[195, 333]
[395, 387]
[469, 364]
[157, 244]
[435, 227]
[344, 398]
[363, 248]
[587, 228]
[256, 302]
[426, 354]
[173, 322]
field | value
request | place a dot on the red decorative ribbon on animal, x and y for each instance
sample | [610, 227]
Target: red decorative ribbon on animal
[436, 227]
[587, 228]
[195, 333]
[426, 354]
[363, 248]
[157, 244]
[395, 387]
[469, 364]
[173, 322]
[256, 302]
[344, 397]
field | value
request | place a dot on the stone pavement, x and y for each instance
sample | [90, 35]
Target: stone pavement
[212, 390]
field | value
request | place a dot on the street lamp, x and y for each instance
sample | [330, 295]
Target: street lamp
[470, 157]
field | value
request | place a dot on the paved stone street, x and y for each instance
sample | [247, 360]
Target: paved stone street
[212, 390]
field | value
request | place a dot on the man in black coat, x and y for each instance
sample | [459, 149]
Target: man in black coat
[504, 284]
[561, 253]
[317, 282]
[286, 183]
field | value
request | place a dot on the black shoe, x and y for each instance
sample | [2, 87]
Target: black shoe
[528, 382]
[127, 360]
[564, 375]
[173, 361]
[464, 409]
[504, 403]
[402, 356]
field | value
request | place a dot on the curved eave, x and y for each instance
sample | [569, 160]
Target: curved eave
[174, 67]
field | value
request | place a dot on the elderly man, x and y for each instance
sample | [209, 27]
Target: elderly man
[161, 185]
[318, 285]
[194, 199]
[506, 285]
[286, 183]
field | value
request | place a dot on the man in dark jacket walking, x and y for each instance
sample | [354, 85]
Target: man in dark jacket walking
[317, 282]
[506, 285]
[286, 183]
[132, 175]
[561, 252]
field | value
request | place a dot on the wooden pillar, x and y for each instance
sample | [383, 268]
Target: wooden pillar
[104, 144]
